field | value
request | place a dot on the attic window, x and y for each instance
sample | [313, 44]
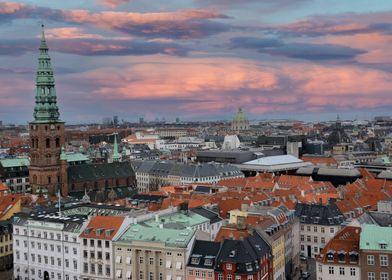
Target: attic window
[330, 220]
[109, 232]
[383, 244]
[303, 218]
[195, 261]
[316, 220]
[232, 254]
[249, 267]
[88, 230]
[208, 262]
[99, 231]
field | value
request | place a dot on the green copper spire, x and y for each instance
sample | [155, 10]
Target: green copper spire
[45, 109]
[116, 155]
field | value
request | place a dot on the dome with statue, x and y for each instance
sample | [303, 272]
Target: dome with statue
[240, 121]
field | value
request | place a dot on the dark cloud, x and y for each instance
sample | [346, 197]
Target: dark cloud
[254, 43]
[314, 51]
[95, 47]
[295, 50]
[181, 24]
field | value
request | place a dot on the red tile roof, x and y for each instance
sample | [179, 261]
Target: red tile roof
[110, 224]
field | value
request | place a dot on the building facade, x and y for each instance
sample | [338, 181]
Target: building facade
[318, 224]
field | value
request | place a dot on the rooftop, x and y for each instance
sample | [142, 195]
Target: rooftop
[377, 238]
[153, 233]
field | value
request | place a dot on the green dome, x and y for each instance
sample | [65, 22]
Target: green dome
[240, 116]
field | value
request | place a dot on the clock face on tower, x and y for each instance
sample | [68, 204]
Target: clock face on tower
[52, 126]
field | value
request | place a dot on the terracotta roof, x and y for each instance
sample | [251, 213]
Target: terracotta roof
[102, 227]
[3, 187]
[230, 233]
[321, 160]
[346, 241]
[7, 202]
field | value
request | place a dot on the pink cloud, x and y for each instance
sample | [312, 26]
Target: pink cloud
[112, 3]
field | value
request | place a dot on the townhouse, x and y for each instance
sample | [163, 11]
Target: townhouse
[375, 252]
[6, 255]
[246, 259]
[339, 259]
[202, 260]
[318, 224]
[96, 246]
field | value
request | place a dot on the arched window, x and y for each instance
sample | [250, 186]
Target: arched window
[47, 143]
[57, 142]
[32, 143]
[117, 183]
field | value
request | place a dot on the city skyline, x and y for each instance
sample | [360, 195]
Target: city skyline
[199, 59]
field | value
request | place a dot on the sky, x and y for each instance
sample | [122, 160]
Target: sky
[200, 59]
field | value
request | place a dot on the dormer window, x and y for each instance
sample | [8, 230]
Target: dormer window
[195, 261]
[232, 254]
[229, 266]
[99, 231]
[88, 230]
[330, 255]
[341, 256]
[248, 267]
[109, 232]
[383, 244]
[208, 262]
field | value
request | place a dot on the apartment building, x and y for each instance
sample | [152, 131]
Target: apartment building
[5, 245]
[318, 224]
[96, 246]
[46, 246]
[375, 252]
[202, 260]
[339, 259]
[147, 252]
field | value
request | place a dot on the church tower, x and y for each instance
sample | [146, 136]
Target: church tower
[46, 131]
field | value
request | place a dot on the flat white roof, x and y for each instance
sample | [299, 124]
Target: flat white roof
[275, 160]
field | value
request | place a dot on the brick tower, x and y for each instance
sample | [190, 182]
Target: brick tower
[46, 131]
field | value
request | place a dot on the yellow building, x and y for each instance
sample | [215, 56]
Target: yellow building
[9, 205]
[5, 245]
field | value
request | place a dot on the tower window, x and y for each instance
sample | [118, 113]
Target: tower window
[57, 142]
[47, 143]
[49, 179]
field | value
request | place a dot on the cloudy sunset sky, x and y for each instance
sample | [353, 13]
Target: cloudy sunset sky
[200, 59]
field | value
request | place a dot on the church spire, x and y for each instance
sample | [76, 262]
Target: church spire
[45, 109]
[116, 156]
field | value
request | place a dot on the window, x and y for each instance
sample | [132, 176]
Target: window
[151, 276]
[302, 237]
[331, 230]
[99, 255]
[141, 275]
[341, 270]
[330, 270]
[315, 239]
[371, 276]
[229, 266]
[320, 268]
[370, 260]
[107, 270]
[384, 276]
[302, 227]
[107, 244]
[85, 242]
[151, 261]
[315, 229]
[85, 267]
[352, 271]
[99, 268]
[92, 267]
[229, 277]
[383, 260]
[190, 272]
[322, 230]
[220, 276]
[92, 242]
[309, 238]
[141, 260]
[323, 240]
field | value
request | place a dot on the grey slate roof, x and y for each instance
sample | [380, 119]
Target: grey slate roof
[202, 251]
[328, 215]
[212, 216]
[382, 219]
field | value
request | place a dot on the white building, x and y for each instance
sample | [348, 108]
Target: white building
[97, 254]
[318, 224]
[47, 246]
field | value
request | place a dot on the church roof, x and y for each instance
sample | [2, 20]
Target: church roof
[93, 172]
